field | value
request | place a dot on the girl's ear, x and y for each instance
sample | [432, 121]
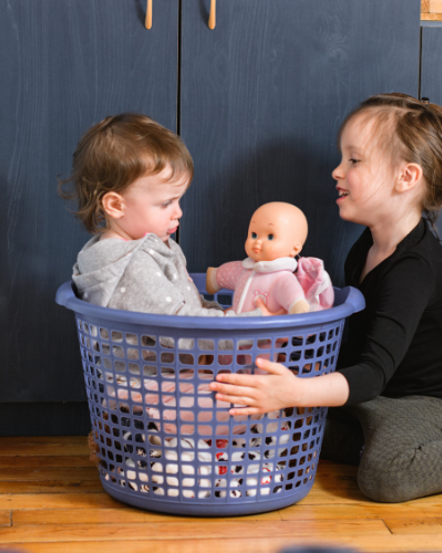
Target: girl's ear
[409, 177]
[113, 204]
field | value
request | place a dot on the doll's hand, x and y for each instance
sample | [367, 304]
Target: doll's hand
[266, 313]
[210, 284]
[300, 306]
[260, 393]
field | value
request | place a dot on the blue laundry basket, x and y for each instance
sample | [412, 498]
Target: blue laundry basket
[166, 444]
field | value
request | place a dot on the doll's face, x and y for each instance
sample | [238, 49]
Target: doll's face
[276, 230]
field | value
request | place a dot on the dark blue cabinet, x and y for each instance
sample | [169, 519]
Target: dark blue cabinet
[431, 69]
[64, 65]
[260, 99]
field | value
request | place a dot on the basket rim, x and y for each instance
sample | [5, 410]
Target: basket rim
[351, 301]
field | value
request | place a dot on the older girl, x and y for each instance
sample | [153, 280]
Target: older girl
[389, 379]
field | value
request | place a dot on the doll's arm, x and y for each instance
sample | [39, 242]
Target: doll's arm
[211, 285]
[290, 295]
[225, 276]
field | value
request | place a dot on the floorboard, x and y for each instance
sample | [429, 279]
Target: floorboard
[51, 501]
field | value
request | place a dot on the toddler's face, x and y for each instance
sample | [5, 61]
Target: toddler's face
[152, 205]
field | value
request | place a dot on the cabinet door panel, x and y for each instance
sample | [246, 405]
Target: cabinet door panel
[431, 71]
[262, 99]
[65, 64]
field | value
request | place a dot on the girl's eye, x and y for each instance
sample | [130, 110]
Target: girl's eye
[270, 236]
[254, 235]
[353, 161]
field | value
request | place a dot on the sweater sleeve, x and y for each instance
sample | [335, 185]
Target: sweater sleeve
[145, 288]
[405, 292]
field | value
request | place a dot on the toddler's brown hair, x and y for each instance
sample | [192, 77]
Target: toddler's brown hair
[116, 152]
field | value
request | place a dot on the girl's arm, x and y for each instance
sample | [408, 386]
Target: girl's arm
[279, 389]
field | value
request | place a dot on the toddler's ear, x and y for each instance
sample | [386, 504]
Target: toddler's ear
[410, 176]
[113, 205]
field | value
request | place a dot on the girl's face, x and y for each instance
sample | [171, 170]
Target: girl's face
[152, 205]
[365, 177]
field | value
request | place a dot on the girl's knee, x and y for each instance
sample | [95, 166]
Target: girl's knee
[389, 484]
[383, 486]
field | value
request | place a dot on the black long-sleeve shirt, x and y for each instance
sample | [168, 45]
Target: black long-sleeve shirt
[394, 346]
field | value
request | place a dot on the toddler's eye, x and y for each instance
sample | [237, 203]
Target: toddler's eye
[270, 236]
[254, 235]
[353, 160]
[166, 204]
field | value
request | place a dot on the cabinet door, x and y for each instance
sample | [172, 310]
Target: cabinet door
[431, 71]
[262, 99]
[65, 64]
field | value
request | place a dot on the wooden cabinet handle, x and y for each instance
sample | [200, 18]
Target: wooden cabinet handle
[212, 15]
[148, 22]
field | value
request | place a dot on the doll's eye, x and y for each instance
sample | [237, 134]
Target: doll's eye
[254, 235]
[270, 236]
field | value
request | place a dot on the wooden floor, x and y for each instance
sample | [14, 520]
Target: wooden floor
[51, 501]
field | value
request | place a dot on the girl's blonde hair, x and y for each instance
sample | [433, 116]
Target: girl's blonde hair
[113, 154]
[409, 130]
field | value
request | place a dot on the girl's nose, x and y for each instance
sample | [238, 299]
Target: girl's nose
[338, 173]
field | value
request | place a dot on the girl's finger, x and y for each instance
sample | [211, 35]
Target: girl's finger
[244, 411]
[236, 379]
[236, 400]
[270, 366]
[229, 390]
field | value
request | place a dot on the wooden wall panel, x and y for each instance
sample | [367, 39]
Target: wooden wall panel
[262, 99]
[64, 65]
[431, 72]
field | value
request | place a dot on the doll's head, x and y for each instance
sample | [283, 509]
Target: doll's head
[391, 158]
[115, 155]
[276, 229]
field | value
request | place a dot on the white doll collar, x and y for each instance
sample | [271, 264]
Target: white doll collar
[281, 264]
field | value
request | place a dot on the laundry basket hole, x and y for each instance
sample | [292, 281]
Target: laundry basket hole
[148, 341]
[120, 366]
[149, 370]
[205, 359]
[244, 359]
[205, 374]
[186, 343]
[206, 345]
[167, 342]
[168, 372]
[245, 344]
[167, 357]
[186, 359]
[149, 356]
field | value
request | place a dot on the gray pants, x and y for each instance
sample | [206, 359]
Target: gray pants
[402, 438]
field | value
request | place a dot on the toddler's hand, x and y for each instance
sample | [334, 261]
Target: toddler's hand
[260, 393]
[263, 307]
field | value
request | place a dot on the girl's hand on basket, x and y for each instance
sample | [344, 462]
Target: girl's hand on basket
[266, 313]
[259, 393]
[280, 388]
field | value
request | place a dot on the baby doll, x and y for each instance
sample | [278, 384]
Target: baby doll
[277, 233]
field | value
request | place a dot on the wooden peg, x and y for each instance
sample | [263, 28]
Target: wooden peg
[212, 15]
[148, 22]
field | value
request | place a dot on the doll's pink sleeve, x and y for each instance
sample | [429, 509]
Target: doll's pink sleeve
[316, 283]
[288, 291]
[227, 275]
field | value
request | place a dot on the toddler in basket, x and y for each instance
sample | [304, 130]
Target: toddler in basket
[129, 174]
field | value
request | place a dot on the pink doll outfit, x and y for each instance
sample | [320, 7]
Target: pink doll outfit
[275, 283]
